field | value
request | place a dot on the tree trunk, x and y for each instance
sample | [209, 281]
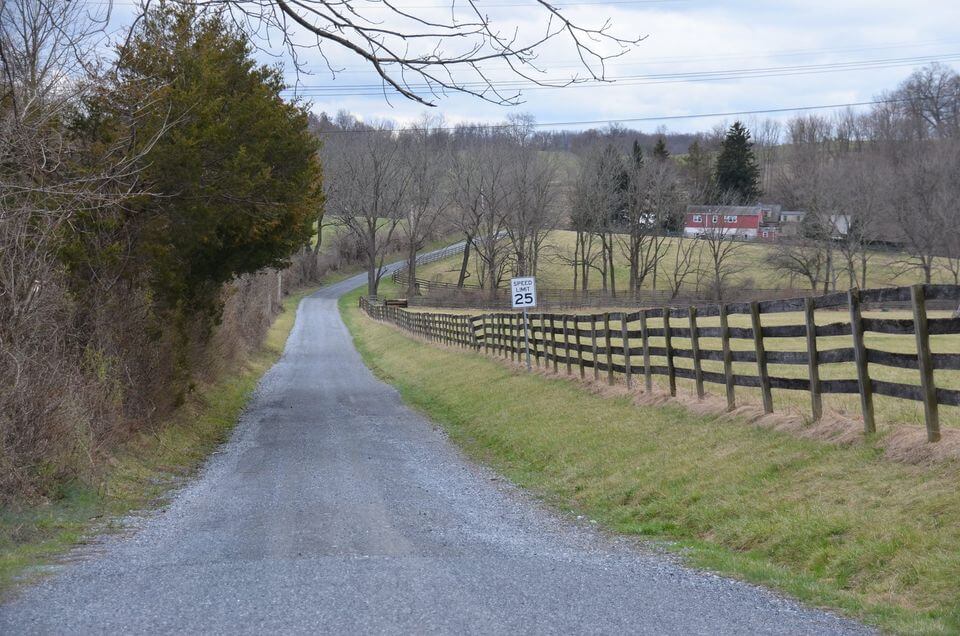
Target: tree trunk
[576, 262]
[464, 262]
[613, 281]
[372, 282]
[412, 269]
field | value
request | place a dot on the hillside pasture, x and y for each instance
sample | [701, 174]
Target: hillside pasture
[555, 271]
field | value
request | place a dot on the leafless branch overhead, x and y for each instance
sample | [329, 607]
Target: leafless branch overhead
[423, 56]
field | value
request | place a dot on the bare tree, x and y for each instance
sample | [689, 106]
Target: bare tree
[803, 257]
[928, 102]
[863, 184]
[599, 197]
[687, 261]
[532, 194]
[656, 202]
[482, 194]
[921, 183]
[368, 183]
[722, 256]
[427, 155]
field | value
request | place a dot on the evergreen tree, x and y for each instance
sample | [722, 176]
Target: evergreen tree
[233, 166]
[637, 154]
[612, 171]
[698, 172]
[660, 151]
[737, 173]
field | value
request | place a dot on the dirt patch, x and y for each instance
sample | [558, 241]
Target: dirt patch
[909, 445]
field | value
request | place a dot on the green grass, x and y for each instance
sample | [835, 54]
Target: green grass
[832, 526]
[141, 474]
[890, 412]
[559, 245]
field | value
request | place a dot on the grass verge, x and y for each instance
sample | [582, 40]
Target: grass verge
[142, 472]
[832, 526]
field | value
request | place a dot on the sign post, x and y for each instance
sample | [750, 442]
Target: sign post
[523, 295]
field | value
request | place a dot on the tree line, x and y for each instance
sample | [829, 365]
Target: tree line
[867, 183]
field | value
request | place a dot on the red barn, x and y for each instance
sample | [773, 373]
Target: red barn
[744, 221]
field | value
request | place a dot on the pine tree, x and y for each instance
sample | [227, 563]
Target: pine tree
[637, 154]
[737, 173]
[698, 171]
[660, 151]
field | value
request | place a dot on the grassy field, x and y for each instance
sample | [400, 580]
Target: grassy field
[142, 473]
[835, 526]
[554, 273]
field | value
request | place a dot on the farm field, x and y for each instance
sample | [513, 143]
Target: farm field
[555, 273]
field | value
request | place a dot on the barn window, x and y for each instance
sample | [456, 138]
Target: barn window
[730, 218]
[697, 218]
[715, 219]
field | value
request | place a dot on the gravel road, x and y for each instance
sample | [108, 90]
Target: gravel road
[334, 508]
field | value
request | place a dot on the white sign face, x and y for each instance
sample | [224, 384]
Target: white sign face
[523, 292]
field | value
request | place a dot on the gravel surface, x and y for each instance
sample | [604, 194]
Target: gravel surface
[335, 508]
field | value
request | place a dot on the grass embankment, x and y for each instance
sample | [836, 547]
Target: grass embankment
[555, 272]
[142, 472]
[833, 526]
[890, 412]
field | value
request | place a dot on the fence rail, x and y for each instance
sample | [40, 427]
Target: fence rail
[620, 344]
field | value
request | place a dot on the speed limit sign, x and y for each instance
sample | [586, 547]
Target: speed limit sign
[523, 292]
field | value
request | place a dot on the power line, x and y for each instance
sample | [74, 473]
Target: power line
[683, 59]
[652, 118]
[360, 90]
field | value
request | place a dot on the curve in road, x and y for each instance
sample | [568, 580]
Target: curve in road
[335, 508]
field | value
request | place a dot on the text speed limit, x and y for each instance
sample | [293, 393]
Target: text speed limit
[523, 292]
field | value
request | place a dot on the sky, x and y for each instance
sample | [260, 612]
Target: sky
[696, 57]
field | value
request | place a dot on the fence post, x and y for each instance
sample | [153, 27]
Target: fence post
[576, 326]
[593, 345]
[625, 342]
[505, 327]
[727, 358]
[513, 339]
[860, 357]
[695, 346]
[553, 343]
[486, 337]
[537, 342]
[813, 362]
[503, 337]
[668, 345]
[761, 357]
[645, 342]
[566, 345]
[609, 345]
[931, 411]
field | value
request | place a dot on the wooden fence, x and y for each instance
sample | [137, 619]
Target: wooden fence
[620, 344]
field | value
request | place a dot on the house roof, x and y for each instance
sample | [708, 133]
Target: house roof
[739, 210]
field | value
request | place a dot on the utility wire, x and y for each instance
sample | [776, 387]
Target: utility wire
[360, 90]
[633, 120]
